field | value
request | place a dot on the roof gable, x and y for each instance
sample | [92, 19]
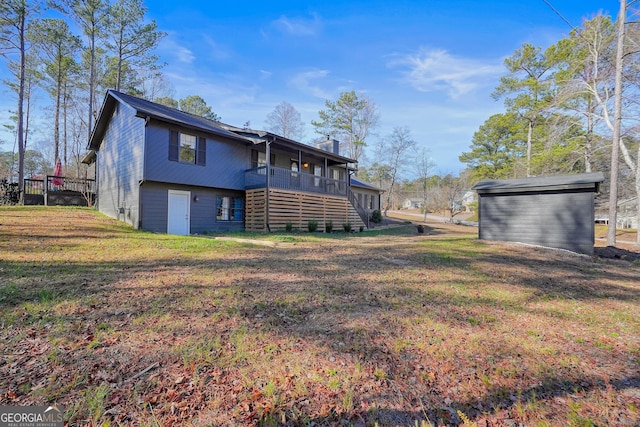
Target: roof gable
[148, 109]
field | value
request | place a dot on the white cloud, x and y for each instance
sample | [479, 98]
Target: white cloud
[216, 50]
[303, 82]
[264, 74]
[301, 27]
[438, 70]
[173, 49]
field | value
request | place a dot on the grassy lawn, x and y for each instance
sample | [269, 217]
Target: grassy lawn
[378, 328]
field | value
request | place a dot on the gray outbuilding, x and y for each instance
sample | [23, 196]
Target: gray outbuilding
[553, 211]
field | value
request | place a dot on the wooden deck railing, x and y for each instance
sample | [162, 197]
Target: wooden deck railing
[286, 179]
[63, 183]
[59, 190]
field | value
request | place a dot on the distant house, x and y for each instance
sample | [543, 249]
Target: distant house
[164, 170]
[627, 215]
[412, 203]
[554, 211]
[468, 199]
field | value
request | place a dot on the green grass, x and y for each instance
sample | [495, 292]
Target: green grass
[119, 325]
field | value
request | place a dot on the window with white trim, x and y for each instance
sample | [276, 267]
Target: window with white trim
[187, 148]
[230, 208]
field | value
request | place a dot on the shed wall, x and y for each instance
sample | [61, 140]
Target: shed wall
[555, 219]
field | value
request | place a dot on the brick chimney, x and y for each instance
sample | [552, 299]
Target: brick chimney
[330, 145]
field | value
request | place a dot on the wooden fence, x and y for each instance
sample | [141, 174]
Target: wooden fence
[297, 208]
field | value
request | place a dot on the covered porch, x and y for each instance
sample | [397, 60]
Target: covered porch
[287, 179]
[299, 183]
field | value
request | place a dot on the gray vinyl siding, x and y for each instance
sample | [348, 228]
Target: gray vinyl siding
[555, 219]
[120, 166]
[226, 161]
[154, 206]
[365, 194]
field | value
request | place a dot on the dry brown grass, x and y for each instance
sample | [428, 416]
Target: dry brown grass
[390, 328]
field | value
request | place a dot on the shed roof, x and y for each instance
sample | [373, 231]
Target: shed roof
[542, 183]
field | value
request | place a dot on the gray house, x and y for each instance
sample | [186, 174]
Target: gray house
[554, 211]
[164, 170]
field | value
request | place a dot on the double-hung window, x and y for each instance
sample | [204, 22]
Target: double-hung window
[187, 148]
[259, 159]
[317, 171]
[230, 208]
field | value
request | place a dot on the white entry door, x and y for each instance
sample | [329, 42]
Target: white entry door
[178, 217]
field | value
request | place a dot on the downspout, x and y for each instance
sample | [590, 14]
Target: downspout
[97, 184]
[326, 174]
[267, 190]
[147, 119]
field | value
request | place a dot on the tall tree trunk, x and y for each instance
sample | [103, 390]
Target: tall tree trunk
[21, 142]
[588, 145]
[92, 79]
[638, 197]
[529, 138]
[617, 122]
[27, 114]
[65, 100]
[56, 124]
[119, 72]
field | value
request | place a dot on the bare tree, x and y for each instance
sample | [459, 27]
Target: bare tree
[424, 169]
[155, 86]
[394, 148]
[285, 121]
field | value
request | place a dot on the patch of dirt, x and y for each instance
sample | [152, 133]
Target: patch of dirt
[612, 252]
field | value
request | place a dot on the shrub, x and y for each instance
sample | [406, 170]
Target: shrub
[312, 225]
[328, 226]
[288, 226]
[9, 193]
[376, 216]
[347, 227]
[361, 228]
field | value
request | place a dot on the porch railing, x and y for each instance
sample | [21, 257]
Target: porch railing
[364, 215]
[286, 179]
[63, 183]
[59, 190]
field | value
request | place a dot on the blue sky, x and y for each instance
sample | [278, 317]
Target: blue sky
[430, 65]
